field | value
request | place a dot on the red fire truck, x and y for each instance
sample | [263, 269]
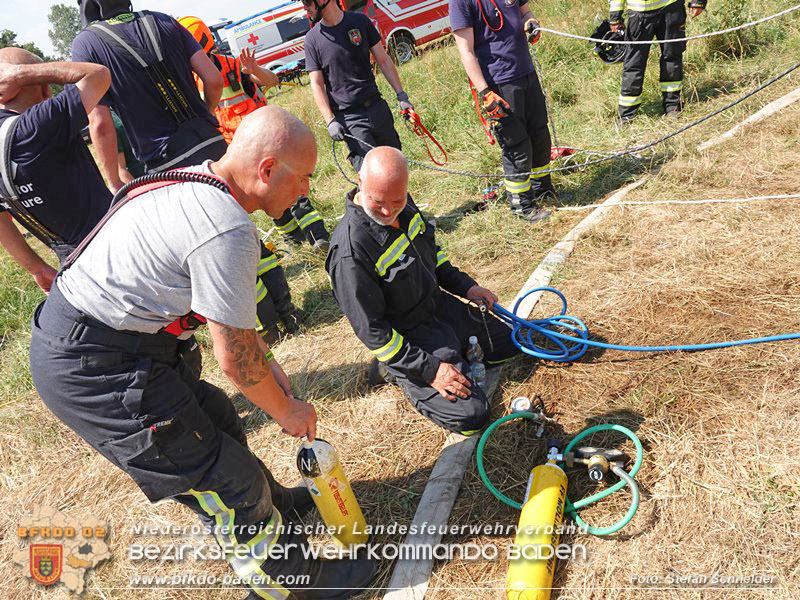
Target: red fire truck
[276, 35]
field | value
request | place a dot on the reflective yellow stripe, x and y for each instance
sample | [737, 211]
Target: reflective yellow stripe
[261, 291]
[469, 432]
[288, 227]
[517, 187]
[539, 172]
[267, 264]
[310, 218]
[630, 100]
[441, 258]
[224, 518]
[499, 362]
[671, 86]
[617, 5]
[645, 5]
[387, 351]
[232, 100]
[415, 227]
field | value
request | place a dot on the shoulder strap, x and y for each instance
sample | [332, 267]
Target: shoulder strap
[9, 192]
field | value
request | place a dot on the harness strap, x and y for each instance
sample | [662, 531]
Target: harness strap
[486, 127]
[10, 193]
[414, 122]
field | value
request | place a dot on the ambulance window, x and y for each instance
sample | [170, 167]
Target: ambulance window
[289, 30]
[354, 5]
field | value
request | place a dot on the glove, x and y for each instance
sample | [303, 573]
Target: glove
[697, 4]
[494, 105]
[405, 103]
[616, 22]
[532, 30]
[336, 131]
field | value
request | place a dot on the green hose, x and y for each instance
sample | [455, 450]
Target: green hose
[572, 508]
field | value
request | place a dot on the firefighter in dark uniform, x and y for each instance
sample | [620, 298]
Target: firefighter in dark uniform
[105, 354]
[241, 96]
[338, 49]
[648, 19]
[401, 295]
[492, 38]
[48, 180]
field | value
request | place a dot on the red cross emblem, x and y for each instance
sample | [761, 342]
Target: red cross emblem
[253, 39]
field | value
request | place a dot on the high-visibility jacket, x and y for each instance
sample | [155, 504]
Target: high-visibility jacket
[387, 282]
[235, 102]
[618, 6]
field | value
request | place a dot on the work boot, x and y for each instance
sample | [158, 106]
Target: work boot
[378, 374]
[289, 501]
[293, 320]
[523, 206]
[533, 215]
[322, 246]
[337, 579]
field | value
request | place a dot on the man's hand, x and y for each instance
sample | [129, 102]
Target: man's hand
[248, 61]
[695, 8]
[336, 131]
[44, 277]
[480, 295]
[450, 383]
[496, 108]
[298, 419]
[405, 103]
[9, 83]
[532, 30]
[617, 26]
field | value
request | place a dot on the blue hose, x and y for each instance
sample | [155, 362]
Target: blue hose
[570, 336]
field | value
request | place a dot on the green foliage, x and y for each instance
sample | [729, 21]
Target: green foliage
[9, 38]
[724, 14]
[65, 23]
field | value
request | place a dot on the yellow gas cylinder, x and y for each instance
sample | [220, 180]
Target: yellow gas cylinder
[533, 562]
[324, 477]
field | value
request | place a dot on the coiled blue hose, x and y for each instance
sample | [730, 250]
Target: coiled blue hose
[570, 336]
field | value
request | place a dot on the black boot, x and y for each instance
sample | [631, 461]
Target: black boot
[337, 579]
[523, 206]
[378, 374]
[291, 502]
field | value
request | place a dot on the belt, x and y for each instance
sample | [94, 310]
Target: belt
[361, 105]
[56, 316]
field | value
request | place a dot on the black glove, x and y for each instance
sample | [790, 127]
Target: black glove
[336, 131]
[697, 3]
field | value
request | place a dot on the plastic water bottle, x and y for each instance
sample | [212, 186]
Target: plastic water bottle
[477, 369]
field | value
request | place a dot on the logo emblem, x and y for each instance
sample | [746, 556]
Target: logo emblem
[46, 562]
[355, 37]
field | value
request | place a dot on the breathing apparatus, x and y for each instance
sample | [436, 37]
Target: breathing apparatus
[530, 574]
[100, 10]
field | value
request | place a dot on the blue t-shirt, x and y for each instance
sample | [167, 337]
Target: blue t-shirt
[133, 95]
[503, 55]
[342, 54]
[57, 179]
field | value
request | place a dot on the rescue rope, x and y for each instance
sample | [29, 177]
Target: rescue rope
[676, 202]
[568, 336]
[414, 123]
[683, 39]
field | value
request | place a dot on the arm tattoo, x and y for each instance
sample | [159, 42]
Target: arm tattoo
[250, 364]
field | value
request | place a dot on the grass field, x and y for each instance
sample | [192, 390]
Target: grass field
[720, 481]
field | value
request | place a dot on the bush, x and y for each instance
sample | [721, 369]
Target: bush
[724, 14]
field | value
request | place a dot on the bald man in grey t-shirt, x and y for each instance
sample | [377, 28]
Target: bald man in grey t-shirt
[105, 352]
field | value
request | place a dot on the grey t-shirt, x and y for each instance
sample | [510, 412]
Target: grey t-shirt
[188, 246]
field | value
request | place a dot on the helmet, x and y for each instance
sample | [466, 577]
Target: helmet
[200, 31]
[608, 53]
[98, 10]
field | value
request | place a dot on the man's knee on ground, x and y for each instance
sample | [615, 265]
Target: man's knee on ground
[474, 414]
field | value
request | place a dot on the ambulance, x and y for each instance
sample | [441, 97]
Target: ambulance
[276, 35]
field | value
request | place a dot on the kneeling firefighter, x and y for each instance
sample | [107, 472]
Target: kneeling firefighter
[169, 256]
[648, 19]
[241, 95]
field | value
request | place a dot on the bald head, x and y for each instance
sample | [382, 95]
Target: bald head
[18, 56]
[384, 167]
[270, 160]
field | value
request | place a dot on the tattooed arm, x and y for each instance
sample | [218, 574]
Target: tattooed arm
[241, 357]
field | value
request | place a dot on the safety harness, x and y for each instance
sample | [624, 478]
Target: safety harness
[414, 123]
[152, 62]
[10, 193]
[141, 185]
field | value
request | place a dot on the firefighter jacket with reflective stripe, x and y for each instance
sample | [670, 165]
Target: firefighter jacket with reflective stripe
[387, 282]
[617, 6]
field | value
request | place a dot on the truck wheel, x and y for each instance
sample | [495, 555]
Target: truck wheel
[402, 48]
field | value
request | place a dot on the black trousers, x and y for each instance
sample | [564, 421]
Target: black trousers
[301, 222]
[131, 398]
[447, 337]
[524, 139]
[273, 297]
[373, 124]
[663, 24]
